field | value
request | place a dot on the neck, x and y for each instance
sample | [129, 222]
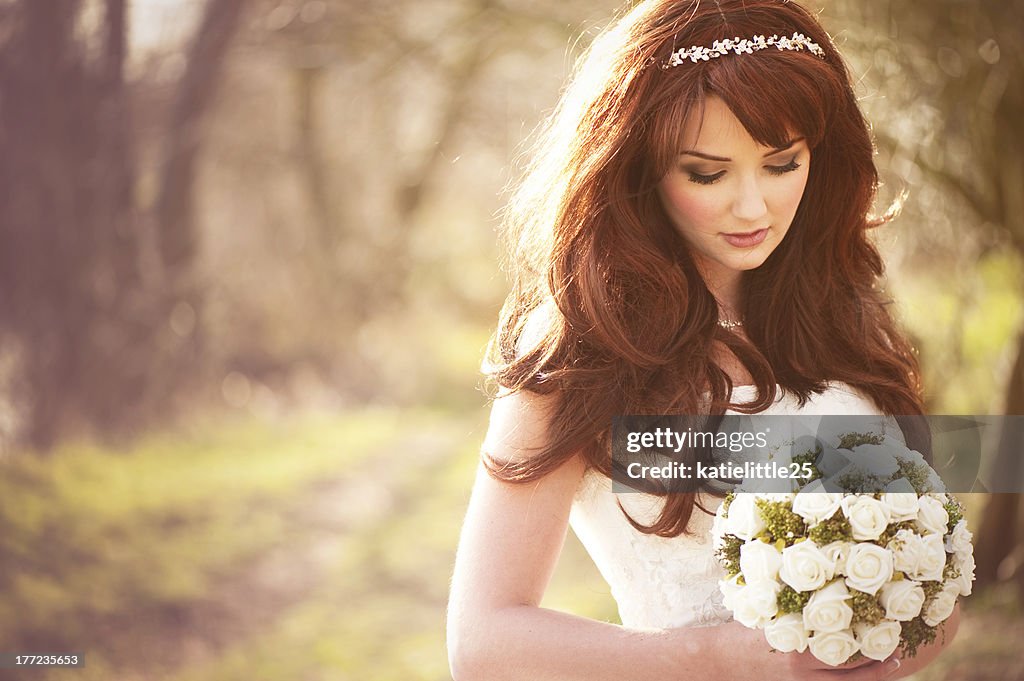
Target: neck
[724, 285]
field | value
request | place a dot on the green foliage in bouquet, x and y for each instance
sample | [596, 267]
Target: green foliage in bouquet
[931, 590]
[860, 482]
[836, 528]
[955, 511]
[867, 609]
[809, 457]
[851, 440]
[916, 633]
[781, 524]
[729, 554]
[916, 475]
[791, 601]
[893, 529]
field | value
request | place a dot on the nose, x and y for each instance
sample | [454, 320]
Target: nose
[749, 204]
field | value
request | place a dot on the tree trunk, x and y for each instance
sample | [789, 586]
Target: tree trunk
[174, 208]
[174, 213]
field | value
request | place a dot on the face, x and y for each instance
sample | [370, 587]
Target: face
[732, 199]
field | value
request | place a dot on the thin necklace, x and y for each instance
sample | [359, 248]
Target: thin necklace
[729, 324]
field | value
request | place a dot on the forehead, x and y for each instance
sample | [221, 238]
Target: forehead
[713, 128]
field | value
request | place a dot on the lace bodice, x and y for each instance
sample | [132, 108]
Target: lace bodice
[659, 582]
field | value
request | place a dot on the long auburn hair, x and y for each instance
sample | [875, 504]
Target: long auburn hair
[608, 310]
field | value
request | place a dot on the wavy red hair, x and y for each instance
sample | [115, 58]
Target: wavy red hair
[608, 310]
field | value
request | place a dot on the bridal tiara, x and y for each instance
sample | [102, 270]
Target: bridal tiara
[798, 41]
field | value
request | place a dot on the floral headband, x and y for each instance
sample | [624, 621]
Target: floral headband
[798, 41]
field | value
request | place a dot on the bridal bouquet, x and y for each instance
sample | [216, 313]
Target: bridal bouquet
[865, 554]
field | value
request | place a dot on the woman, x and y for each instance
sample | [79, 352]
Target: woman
[690, 239]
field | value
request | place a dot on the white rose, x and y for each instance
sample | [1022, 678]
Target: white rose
[756, 604]
[880, 641]
[833, 648]
[932, 516]
[906, 548]
[868, 517]
[912, 456]
[744, 519]
[787, 634]
[832, 460]
[837, 552]
[901, 499]
[828, 610]
[868, 567]
[814, 504]
[966, 577]
[960, 540]
[935, 482]
[876, 460]
[942, 605]
[932, 559]
[805, 567]
[902, 600]
[759, 561]
[729, 588]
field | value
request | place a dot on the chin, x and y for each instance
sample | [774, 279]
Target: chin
[750, 262]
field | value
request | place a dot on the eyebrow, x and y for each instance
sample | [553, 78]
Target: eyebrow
[709, 157]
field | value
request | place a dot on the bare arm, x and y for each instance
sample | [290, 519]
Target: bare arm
[511, 540]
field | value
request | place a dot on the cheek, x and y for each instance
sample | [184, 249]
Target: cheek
[691, 210]
[788, 198]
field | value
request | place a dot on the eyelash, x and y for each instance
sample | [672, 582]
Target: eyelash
[774, 170]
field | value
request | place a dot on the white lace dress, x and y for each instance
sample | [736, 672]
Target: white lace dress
[663, 583]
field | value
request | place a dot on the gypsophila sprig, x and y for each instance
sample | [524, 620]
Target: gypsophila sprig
[874, 544]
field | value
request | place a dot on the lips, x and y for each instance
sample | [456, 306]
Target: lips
[746, 239]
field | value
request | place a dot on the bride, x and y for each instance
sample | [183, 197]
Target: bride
[691, 237]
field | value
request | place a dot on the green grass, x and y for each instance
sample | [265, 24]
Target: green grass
[90, 532]
[170, 472]
[380, 615]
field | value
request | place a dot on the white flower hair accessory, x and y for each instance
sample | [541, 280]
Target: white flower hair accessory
[720, 48]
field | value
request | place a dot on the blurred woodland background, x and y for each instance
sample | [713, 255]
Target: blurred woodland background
[248, 268]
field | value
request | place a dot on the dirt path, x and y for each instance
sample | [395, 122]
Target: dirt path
[247, 600]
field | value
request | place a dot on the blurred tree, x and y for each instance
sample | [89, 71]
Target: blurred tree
[952, 76]
[385, 105]
[89, 278]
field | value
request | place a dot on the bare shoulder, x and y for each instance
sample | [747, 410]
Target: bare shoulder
[520, 425]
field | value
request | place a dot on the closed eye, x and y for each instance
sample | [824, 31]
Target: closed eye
[783, 169]
[706, 179]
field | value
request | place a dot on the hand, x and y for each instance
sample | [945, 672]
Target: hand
[759, 662]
